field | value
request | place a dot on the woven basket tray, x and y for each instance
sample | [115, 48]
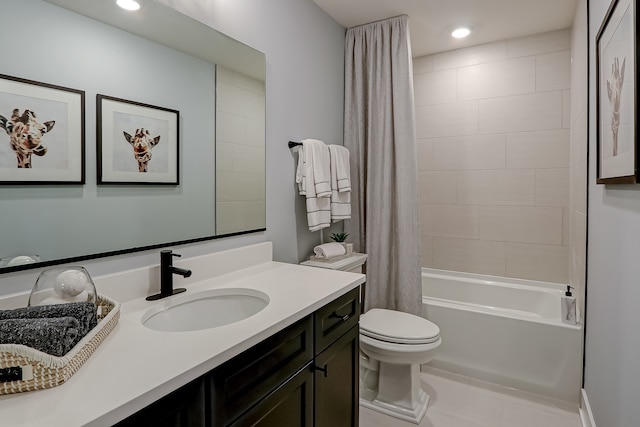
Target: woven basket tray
[40, 370]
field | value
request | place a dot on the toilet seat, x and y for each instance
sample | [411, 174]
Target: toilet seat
[398, 327]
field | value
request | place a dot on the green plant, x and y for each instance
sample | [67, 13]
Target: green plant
[339, 237]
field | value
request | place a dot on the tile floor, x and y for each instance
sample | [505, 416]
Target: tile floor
[458, 401]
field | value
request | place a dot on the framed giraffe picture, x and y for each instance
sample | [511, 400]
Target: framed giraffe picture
[137, 143]
[616, 77]
[41, 133]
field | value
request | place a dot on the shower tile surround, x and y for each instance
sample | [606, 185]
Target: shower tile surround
[493, 132]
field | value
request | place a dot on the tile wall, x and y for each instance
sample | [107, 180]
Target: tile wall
[493, 128]
[240, 152]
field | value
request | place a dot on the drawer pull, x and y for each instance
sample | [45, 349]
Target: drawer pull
[324, 370]
[344, 318]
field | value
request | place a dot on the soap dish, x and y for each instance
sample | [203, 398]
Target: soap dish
[24, 368]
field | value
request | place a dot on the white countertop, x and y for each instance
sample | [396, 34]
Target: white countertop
[135, 366]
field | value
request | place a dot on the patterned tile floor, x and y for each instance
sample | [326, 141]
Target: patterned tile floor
[458, 401]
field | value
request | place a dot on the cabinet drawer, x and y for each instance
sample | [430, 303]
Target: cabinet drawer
[336, 318]
[247, 378]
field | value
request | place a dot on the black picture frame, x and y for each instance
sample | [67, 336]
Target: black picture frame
[43, 133]
[616, 99]
[137, 143]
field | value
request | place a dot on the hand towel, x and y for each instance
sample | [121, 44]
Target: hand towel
[321, 167]
[340, 173]
[301, 172]
[340, 167]
[84, 312]
[329, 250]
[55, 336]
[318, 208]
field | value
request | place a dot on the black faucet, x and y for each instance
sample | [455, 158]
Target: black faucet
[167, 270]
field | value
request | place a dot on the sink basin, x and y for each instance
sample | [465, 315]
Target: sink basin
[205, 310]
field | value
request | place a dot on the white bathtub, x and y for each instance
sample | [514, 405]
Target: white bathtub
[506, 331]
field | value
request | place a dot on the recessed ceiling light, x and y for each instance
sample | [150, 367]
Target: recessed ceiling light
[461, 33]
[128, 4]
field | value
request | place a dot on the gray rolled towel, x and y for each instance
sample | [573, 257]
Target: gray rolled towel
[55, 336]
[84, 312]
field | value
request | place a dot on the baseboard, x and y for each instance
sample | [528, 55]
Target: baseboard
[586, 416]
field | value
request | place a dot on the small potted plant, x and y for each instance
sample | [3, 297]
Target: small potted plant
[341, 238]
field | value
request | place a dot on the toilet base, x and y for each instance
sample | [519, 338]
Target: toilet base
[399, 393]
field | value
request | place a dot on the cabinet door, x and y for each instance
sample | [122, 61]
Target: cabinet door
[291, 405]
[184, 407]
[337, 382]
[245, 380]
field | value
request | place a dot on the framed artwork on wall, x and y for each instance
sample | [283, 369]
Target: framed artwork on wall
[617, 148]
[41, 133]
[137, 143]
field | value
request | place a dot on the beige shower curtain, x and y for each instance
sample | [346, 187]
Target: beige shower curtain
[380, 134]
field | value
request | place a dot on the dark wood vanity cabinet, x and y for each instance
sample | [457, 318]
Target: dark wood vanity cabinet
[303, 376]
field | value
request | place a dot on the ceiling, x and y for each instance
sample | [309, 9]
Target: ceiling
[432, 21]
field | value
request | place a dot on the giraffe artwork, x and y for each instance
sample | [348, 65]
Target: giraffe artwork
[614, 92]
[25, 135]
[142, 144]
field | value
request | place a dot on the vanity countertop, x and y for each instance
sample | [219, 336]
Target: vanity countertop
[135, 366]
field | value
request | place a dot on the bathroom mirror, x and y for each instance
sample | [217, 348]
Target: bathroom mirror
[157, 57]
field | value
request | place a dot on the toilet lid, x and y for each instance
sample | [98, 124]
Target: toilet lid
[398, 327]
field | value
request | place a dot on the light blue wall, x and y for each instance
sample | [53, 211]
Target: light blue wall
[612, 344]
[304, 52]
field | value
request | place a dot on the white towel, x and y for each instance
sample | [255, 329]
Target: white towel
[329, 250]
[301, 172]
[340, 173]
[339, 158]
[321, 167]
[318, 208]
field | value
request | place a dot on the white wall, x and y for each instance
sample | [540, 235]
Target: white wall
[493, 140]
[612, 371]
[305, 73]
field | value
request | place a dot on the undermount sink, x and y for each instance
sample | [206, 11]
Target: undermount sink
[205, 310]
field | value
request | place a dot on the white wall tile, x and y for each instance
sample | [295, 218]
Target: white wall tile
[474, 256]
[250, 84]
[238, 186]
[425, 153]
[249, 159]
[503, 78]
[566, 226]
[427, 251]
[538, 149]
[422, 64]
[224, 156]
[579, 139]
[458, 221]
[540, 43]
[435, 88]
[457, 118]
[579, 187]
[553, 71]
[239, 130]
[470, 56]
[524, 224]
[566, 109]
[539, 262]
[438, 186]
[552, 187]
[497, 187]
[469, 152]
[520, 113]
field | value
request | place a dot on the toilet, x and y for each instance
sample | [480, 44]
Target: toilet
[393, 345]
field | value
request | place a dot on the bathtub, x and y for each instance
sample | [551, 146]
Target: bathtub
[505, 331]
